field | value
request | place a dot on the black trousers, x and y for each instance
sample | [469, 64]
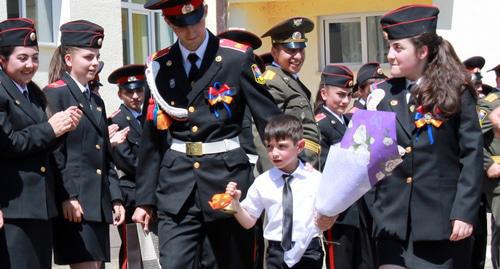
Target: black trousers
[312, 258]
[182, 237]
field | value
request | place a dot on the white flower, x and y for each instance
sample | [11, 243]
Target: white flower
[360, 136]
[387, 141]
[392, 164]
[379, 176]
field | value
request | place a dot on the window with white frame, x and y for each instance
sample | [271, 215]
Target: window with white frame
[144, 31]
[352, 40]
[38, 10]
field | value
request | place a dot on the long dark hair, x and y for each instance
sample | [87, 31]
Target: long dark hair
[318, 102]
[444, 78]
[58, 66]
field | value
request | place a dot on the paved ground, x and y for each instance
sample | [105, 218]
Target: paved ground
[115, 246]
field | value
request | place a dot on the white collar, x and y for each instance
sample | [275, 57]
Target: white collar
[339, 117]
[277, 173]
[82, 88]
[21, 88]
[200, 51]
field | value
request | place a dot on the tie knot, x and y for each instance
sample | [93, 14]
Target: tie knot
[192, 58]
[287, 177]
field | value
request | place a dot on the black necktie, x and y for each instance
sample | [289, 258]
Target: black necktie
[88, 96]
[193, 72]
[27, 95]
[286, 237]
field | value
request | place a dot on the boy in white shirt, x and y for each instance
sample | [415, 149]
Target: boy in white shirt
[286, 192]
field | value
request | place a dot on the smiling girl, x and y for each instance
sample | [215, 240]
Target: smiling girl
[424, 212]
[27, 138]
[88, 191]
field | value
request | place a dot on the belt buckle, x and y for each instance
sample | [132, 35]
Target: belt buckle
[194, 148]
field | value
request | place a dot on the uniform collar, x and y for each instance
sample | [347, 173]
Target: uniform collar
[295, 76]
[82, 88]
[21, 88]
[277, 174]
[339, 117]
[134, 113]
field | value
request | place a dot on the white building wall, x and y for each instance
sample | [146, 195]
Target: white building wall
[472, 28]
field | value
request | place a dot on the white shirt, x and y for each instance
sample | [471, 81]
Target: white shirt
[200, 52]
[266, 193]
[339, 117]
[82, 88]
[21, 88]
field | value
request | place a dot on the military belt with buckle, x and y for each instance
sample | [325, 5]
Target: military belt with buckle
[204, 148]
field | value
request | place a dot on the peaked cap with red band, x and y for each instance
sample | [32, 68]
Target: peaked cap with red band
[409, 21]
[242, 36]
[180, 13]
[82, 33]
[17, 32]
[129, 77]
[337, 75]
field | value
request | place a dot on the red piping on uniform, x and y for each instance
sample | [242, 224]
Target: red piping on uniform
[331, 251]
[124, 265]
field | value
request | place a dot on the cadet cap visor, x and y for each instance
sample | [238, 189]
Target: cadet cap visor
[180, 13]
[291, 32]
[474, 62]
[496, 69]
[82, 33]
[337, 75]
[410, 20]
[130, 77]
[369, 71]
[242, 36]
[18, 32]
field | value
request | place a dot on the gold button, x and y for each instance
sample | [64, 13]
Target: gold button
[196, 165]
[408, 149]
[194, 129]
[409, 180]
[98, 147]
[43, 169]
[191, 109]
[172, 103]
[98, 171]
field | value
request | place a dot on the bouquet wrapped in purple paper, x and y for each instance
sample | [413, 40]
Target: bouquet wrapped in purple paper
[367, 153]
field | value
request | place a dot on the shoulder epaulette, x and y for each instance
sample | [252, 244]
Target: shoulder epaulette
[226, 43]
[160, 53]
[491, 97]
[319, 116]
[269, 75]
[57, 84]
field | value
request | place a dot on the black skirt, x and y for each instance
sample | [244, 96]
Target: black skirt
[425, 254]
[80, 242]
[26, 244]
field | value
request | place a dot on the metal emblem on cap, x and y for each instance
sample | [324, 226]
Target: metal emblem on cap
[218, 58]
[169, 63]
[99, 42]
[33, 36]
[297, 22]
[132, 78]
[350, 83]
[386, 35]
[379, 71]
[297, 35]
[187, 9]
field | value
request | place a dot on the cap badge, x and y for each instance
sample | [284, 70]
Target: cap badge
[297, 35]
[132, 78]
[297, 22]
[379, 71]
[33, 36]
[99, 42]
[386, 35]
[349, 83]
[187, 9]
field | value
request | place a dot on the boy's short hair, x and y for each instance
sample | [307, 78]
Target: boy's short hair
[283, 126]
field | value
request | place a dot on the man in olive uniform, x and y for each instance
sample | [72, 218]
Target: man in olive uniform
[199, 88]
[497, 75]
[292, 96]
[492, 168]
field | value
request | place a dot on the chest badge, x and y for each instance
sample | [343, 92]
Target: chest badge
[169, 63]
[99, 108]
[394, 102]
